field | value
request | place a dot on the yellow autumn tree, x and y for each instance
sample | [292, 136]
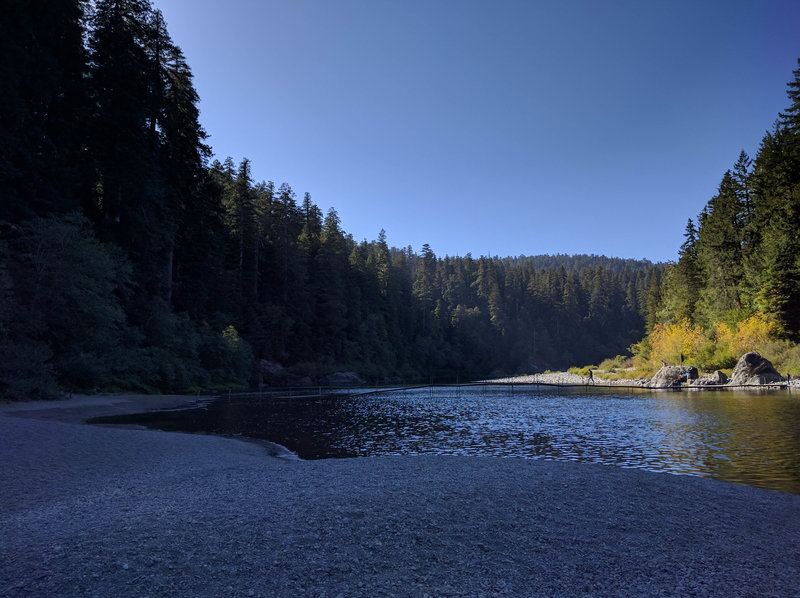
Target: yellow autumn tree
[722, 335]
[669, 342]
[753, 334]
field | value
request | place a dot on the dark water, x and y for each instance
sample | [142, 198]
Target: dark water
[746, 437]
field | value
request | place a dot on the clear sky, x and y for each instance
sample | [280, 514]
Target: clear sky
[496, 127]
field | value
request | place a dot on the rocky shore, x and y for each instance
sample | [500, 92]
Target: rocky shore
[567, 379]
[103, 511]
[751, 370]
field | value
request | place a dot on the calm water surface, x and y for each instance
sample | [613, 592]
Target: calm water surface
[746, 437]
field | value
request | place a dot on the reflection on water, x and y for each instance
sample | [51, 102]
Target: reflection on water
[746, 437]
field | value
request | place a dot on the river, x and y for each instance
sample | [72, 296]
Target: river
[747, 437]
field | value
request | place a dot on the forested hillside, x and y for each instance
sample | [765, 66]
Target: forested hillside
[128, 261]
[301, 290]
[736, 284]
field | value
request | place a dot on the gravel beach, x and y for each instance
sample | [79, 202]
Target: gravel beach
[107, 511]
[567, 379]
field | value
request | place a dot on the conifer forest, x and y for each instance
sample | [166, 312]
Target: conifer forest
[131, 259]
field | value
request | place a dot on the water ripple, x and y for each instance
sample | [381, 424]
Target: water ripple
[749, 438]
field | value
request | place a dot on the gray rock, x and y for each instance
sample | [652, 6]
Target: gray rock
[717, 378]
[673, 375]
[754, 369]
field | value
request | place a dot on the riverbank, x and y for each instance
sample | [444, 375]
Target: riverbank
[567, 379]
[89, 510]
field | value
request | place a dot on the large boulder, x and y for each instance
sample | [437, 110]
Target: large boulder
[754, 369]
[673, 375]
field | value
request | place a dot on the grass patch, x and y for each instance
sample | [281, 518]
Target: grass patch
[582, 371]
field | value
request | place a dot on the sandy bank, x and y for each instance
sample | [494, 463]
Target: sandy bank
[77, 408]
[88, 510]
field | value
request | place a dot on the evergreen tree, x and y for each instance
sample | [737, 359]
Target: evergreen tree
[312, 227]
[424, 287]
[183, 162]
[790, 120]
[719, 255]
[43, 108]
[331, 275]
[132, 208]
[773, 266]
[238, 203]
[600, 298]
[651, 299]
[681, 284]
[743, 189]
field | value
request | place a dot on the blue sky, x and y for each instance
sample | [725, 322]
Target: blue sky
[496, 127]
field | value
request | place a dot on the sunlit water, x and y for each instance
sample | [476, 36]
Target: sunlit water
[746, 437]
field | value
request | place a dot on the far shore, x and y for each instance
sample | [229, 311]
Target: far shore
[92, 510]
[568, 379]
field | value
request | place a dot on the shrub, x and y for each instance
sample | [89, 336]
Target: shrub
[613, 364]
[582, 371]
[784, 355]
[714, 356]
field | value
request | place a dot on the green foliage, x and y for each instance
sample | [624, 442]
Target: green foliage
[582, 371]
[713, 356]
[652, 299]
[784, 355]
[235, 355]
[64, 284]
[614, 367]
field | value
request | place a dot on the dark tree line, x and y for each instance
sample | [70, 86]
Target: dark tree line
[302, 290]
[128, 261]
[106, 205]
